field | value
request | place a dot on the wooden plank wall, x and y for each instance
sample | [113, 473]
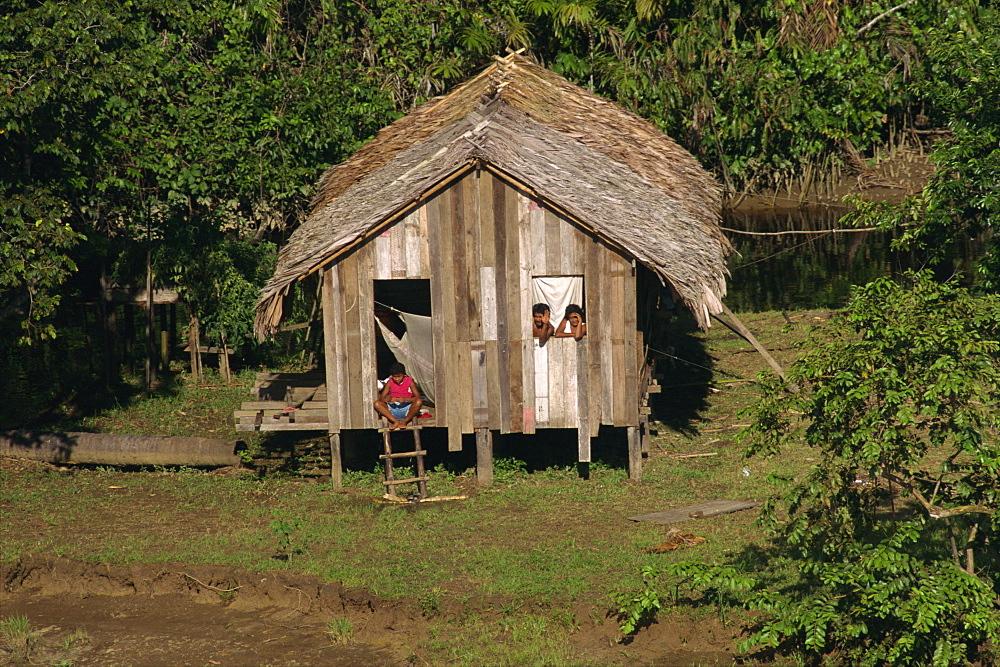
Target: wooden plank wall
[480, 242]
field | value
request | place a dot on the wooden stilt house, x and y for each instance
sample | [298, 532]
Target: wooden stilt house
[461, 210]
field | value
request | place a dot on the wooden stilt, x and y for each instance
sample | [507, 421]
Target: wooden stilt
[484, 457]
[336, 463]
[634, 455]
[421, 473]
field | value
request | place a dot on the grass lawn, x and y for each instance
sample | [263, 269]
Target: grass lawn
[536, 545]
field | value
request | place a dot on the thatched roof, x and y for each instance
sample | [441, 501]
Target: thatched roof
[609, 170]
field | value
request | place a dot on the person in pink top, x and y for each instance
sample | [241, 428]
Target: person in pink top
[400, 400]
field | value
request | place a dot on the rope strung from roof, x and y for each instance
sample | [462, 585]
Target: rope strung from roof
[801, 231]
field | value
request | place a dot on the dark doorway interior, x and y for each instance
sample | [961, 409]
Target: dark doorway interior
[407, 295]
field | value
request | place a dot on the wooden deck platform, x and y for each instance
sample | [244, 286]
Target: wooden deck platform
[289, 402]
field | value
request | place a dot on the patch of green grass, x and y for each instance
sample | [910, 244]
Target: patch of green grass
[340, 630]
[17, 637]
[518, 639]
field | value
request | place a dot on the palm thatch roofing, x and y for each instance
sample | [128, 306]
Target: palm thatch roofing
[605, 168]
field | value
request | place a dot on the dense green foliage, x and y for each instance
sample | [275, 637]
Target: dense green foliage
[192, 133]
[902, 399]
[963, 198]
[890, 540]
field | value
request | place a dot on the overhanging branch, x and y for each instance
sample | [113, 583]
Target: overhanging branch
[936, 511]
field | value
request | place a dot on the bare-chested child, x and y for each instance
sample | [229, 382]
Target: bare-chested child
[541, 328]
[400, 400]
[572, 326]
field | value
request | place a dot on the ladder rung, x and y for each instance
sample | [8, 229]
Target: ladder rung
[400, 455]
[411, 427]
[408, 480]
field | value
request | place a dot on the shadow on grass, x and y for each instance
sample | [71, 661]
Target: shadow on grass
[78, 400]
[686, 374]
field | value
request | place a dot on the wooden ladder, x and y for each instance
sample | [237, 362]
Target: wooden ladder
[418, 453]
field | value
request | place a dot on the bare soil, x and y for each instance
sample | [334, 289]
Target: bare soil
[177, 614]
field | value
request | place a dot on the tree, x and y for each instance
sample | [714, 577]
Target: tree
[901, 396]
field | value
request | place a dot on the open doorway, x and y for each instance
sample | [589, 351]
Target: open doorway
[404, 331]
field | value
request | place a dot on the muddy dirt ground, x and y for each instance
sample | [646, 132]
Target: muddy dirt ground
[177, 614]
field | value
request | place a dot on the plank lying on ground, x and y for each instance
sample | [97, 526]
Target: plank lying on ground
[119, 449]
[700, 511]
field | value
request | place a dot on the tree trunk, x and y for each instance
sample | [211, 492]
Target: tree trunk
[194, 344]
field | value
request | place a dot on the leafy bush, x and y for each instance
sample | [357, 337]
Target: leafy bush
[902, 398]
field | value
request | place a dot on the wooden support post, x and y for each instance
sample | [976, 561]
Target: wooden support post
[150, 323]
[224, 358]
[583, 441]
[484, 457]
[194, 343]
[421, 478]
[336, 463]
[164, 346]
[634, 455]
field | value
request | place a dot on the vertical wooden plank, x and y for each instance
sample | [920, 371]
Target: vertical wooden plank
[424, 236]
[331, 345]
[355, 417]
[473, 258]
[383, 256]
[598, 329]
[541, 354]
[431, 221]
[366, 312]
[512, 274]
[524, 317]
[488, 288]
[553, 244]
[554, 378]
[500, 224]
[617, 288]
[455, 287]
[460, 263]
[568, 264]
[398, 246]
[487, 219]
[480, 385]
[484, 457]
[413, 241]
[584, 426]
[632, 354]
[536, 231]
[463, 352]
[571, 381]
[493, 406]
[343, 350]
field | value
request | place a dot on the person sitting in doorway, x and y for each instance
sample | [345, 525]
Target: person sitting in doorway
[572, 326]
[541, 328]
[399, 400]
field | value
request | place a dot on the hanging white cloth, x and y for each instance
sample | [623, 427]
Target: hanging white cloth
[415, 349]
[557, 292]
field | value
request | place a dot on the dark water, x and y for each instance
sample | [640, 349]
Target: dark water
[813, 271]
